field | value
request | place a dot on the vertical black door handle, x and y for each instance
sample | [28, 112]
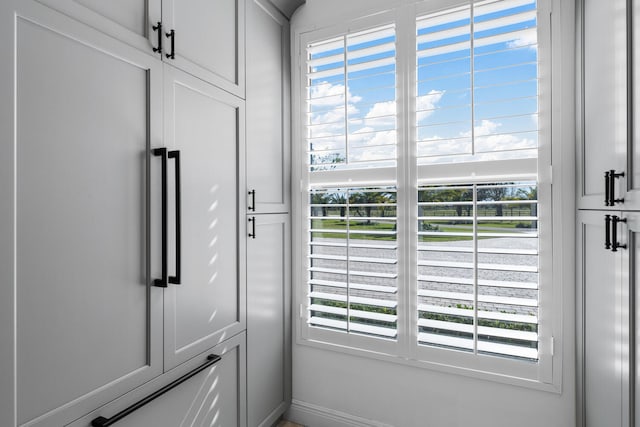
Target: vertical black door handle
[158, 28]
[607, 231]
[252, 220]
[252, 206]
[607, 189]
[614, 233]
[612, 187]
[163, 282]
[172, 35]
[177, 278]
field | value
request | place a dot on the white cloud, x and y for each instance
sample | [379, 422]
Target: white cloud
[425, 104]
[328, 94]
[379, 109]
[528, 38]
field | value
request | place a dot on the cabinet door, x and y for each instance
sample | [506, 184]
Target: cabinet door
[130, 21]
[267, 109]
[214, 397]
[603, 142]
[206, 125]
[88, 325]
[602, 328]
[268, 319]
[209, 40]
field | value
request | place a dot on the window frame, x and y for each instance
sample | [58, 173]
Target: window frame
[544, 375]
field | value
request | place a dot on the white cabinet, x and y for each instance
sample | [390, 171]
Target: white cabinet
[214, 397]
[606, 287]
[268, 183]
[605, 127]
[607, 318]
[268, 319]
[205, 125]
[204, 38]
[77, 129]
[82, 324]
[268, 192]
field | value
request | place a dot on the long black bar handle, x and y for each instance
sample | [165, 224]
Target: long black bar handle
[177, 278]
[607, 188]
[172, 35]
[607, 231]
[158, 28]
[612, 187]
[614, 233]
[163, 282]
[105, 422]
[252, 206]
[252, 220]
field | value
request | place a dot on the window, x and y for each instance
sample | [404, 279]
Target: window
[426, 236]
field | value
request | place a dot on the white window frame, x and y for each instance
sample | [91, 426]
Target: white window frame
[544, 375]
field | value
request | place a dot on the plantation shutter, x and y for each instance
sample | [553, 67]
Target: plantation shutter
[477, 145]
[351, 142]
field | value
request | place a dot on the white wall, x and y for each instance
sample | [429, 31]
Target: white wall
[332, 389]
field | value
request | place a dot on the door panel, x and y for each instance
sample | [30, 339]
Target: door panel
[600, 308]
[209, 40]
[86, 317]
[268, 324]
[130, 21]
[267, 108]
[214, 397]
[205, 124]
[604, 100]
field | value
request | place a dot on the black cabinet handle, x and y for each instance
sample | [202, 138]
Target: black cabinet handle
[158, 28]
[614, 232]
[177, 278]
[252, 220]
[252, 206]
[607, 232]
[104, 422]
[163, 282]
[172, 36]
[607, 189]
[611, 194]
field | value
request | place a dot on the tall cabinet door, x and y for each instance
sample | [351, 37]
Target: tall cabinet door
[208, 40]
[78, 118]
[268, 95]
[268, 319]
[604, 143]
[603, 325]
[205, 124]
[131, 21]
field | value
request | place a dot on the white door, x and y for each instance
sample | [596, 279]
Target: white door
[213, 397]
[603, 322]
[130, 21]
[267, 109]
[208, 40]
[604, 133]
[268, 319]
[85, 109]
[205, 124]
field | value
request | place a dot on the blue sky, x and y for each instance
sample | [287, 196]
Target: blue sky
[504, 100]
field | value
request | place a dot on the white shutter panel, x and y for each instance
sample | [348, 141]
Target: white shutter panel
[352, 138]
[478, 83]
[477, 101]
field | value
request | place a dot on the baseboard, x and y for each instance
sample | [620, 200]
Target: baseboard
[310, 415]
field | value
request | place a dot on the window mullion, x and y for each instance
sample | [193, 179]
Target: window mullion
[406, 179]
